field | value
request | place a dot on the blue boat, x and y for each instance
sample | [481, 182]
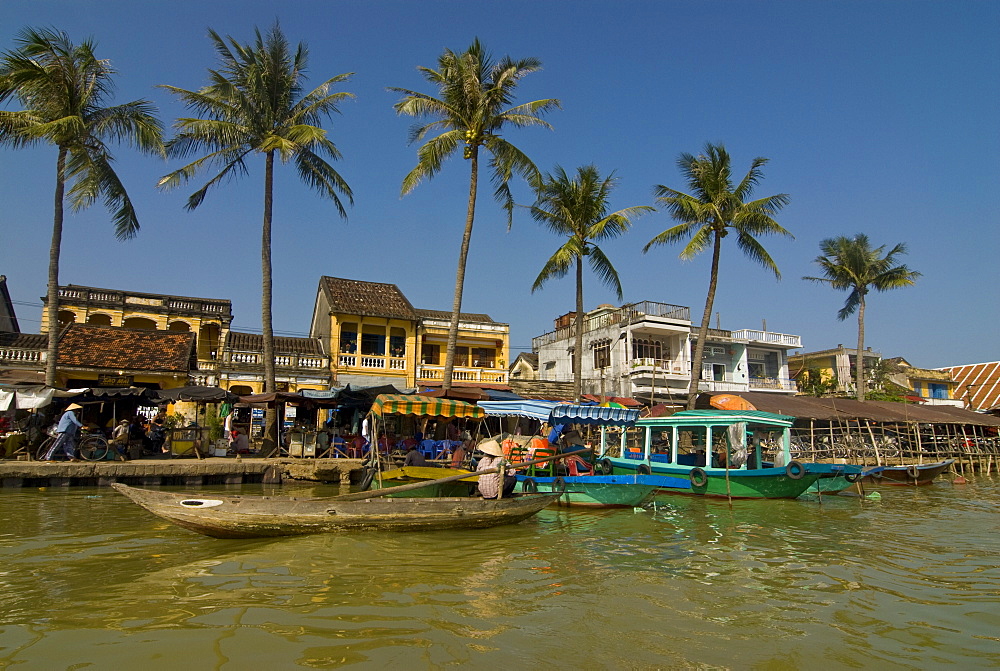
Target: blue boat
[600, 491]
[593, 489]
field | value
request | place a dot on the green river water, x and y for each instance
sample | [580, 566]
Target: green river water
[910, 581]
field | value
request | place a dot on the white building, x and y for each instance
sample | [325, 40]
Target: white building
[643, 350]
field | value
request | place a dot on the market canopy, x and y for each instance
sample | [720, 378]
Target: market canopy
[401, 404]
[557, 412]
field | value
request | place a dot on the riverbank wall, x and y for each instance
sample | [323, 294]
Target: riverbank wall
[187, 472]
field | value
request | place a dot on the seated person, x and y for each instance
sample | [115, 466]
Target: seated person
[414, 457]
[119, 440]
[490, 483]
[240, 444]
[458, 456]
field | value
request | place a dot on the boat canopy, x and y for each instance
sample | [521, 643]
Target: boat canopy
[428, 406]
[720, 417]
[556, 412]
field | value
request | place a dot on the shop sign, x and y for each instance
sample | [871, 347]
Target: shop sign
[115, 380]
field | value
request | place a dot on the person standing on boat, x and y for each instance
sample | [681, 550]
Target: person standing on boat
[490, 483]
[68, 427]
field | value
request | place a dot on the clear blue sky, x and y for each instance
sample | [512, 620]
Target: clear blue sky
[878, 117]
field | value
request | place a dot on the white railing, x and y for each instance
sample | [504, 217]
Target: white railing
[768, 337]
[283, 361]
[242, 357]
[372, 362]
[183, 305]
[664, 366]
[308, 362]
[463, 374]
[397, 364]
[17, 355]
[348, 360]
[775, 383]
[721, 385]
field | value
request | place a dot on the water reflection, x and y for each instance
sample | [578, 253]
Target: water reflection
[907, 581]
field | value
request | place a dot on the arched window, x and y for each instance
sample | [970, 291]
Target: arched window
[241, 390]
[139, 323]
[99, 319]
[179, 326]
[66, 317]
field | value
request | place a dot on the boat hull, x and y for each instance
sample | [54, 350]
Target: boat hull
[760, 483]
[599, 491]
[913, 474]
[229, 516]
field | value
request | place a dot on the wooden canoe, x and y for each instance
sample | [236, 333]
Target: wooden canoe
[237, 516]
[913, 474]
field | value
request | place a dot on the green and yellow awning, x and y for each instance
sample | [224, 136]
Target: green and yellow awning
[401, 404]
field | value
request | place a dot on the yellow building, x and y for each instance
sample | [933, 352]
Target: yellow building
[207, 318]
[834, 365]
[375, 336]
[934, 387]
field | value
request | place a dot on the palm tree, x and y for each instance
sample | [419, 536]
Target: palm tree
[578, 209]
[254, 104]
[472, 108]
[851, 264]
[714, 208]
[63, 89]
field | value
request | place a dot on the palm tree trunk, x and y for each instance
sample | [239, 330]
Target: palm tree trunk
[578, 359]
[699, 348]
[52, 291]
[270, 441]
[859, 364]
[463, 255]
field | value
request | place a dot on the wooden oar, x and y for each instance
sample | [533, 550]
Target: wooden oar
[359, 496]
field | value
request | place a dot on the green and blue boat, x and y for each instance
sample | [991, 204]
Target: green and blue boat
[721, 453]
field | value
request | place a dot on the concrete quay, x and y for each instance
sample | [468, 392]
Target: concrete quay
[187, 472]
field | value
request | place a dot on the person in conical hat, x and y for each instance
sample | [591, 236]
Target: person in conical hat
[69, 425]
[490, 483]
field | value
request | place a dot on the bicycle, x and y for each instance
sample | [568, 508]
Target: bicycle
[90, 448]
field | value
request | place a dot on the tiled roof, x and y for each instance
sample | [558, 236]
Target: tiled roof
[445, 315]
[368, 299]
[89, 346]
[530, 358]
[24, 340]
[254, 342]
[978, 384]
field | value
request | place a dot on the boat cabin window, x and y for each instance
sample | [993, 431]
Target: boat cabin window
[691, 444]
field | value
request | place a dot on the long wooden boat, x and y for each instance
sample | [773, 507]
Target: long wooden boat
[237, 516]
[680, 445]
[913, 474]
[600, 491]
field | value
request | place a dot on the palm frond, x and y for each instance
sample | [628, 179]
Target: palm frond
[605, 272]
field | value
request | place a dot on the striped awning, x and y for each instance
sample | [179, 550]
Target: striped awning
[401, 404]
[555, 412]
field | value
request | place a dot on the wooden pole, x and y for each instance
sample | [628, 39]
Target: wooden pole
[359, 496]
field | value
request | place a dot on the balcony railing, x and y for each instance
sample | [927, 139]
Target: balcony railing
[372, 362]
[430, 373]
[773, 383]
[766, 336]
[659, 366]
[20, 355]
[627, 314]
[721, 385]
